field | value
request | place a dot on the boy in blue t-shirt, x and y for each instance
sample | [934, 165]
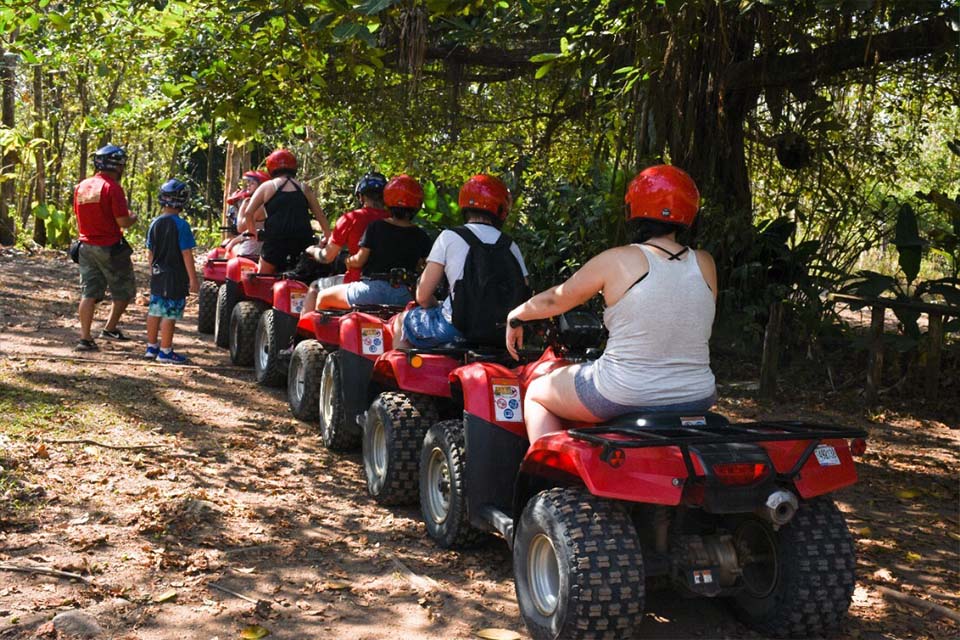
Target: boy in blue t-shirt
[172, 272]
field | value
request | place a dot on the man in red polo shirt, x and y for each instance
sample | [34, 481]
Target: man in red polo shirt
[349, 229]
[101, 209]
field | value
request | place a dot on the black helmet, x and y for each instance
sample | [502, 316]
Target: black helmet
[174, 194]
[371, 183]
[109, 158]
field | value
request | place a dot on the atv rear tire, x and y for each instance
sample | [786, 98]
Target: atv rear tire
[443, 497]
[392, 439]
[207, 307]
[335, 431]
[303, 380]
[243, 332]
[803, 578]
[268, 367]
[221, 321]
[578, 569]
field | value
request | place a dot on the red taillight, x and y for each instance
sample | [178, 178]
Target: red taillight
[740, 473]
[858, 446]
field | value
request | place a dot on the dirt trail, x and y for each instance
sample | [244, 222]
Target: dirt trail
[240, 495]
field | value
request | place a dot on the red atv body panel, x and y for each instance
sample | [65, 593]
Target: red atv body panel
[257, 287]
[215, 267]
[323, 327]
[236, 267]
[431, 378]
[653, 475]
[365, 335]
[288, 296]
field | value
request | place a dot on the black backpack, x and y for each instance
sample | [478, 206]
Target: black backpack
[491, 286]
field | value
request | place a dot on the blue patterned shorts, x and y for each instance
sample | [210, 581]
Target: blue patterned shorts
[167, 308]
[427, 328]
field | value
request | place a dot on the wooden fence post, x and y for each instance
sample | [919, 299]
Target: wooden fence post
[875, 355]
[935, 336]
[771, 352]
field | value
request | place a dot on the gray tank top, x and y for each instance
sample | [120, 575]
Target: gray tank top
[658, 351]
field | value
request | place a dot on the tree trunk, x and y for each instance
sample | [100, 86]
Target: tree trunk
[8, 234]
[84, 110]
[39, 225]
[58, 141]
[211, 171]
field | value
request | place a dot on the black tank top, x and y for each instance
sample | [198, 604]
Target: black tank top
[288, 214]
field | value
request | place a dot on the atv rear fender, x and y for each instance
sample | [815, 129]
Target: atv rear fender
[365, 335]
[236, 267]
[259, 286]
[289, 296]
[416, 372]
[325, 327]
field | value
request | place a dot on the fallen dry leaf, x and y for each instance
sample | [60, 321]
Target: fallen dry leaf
[41, 452]
[254, 632]
[165, 596]
[497, 634]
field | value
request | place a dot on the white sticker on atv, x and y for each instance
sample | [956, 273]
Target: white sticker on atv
[506, 402]
[371, 340]
[827, 456]
[296, 301]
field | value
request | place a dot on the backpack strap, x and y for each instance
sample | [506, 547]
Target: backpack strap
[468, 236]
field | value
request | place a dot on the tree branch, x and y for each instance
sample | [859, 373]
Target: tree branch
[913, 41]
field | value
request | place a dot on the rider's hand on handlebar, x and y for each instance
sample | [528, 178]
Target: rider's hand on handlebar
[514, 336]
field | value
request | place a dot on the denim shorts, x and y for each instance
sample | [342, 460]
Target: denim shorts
[376, 292]
[427, 328]
[166, 308]
[591, 398]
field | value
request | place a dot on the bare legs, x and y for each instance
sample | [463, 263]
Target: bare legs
[88, 307]
[551, 399]
[162, 326]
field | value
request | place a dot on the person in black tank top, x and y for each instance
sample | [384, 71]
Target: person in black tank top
[289, 204]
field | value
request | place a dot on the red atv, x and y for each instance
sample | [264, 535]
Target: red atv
[327, 341]
[738, 511]
[214, 274]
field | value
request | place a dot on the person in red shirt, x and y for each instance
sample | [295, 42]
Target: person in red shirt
[349, 229]
[104, 256]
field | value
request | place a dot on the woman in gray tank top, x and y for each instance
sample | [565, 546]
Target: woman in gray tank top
[660, 300]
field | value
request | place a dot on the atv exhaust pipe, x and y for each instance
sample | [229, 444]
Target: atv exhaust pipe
[779, 508]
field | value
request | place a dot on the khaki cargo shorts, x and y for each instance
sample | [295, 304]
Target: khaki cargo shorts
[99, 272]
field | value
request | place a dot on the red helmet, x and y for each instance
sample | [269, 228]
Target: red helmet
[486, 193]
[259, 176]
[281, 159]
[665, 193]
[237, 196]
[403, 191]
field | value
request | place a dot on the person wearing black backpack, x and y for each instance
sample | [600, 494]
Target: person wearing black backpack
[484, 268]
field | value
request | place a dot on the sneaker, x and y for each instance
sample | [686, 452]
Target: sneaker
[171, 358]
[116, 334]
[86, 345]
[151, 353]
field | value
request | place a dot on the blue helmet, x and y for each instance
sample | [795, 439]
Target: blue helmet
[174, 194]
[109, 158]
[371, 183]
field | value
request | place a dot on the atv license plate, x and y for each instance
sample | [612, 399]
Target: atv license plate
[827, 456]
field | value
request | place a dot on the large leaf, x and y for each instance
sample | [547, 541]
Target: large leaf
[909, 261]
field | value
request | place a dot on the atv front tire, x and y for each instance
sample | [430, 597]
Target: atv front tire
[578, 569]
[221, 321]
[443, 498]
[303, 380]
[243, 332]
[267, 364]
[207, 307]
[798, 581]
[392, 439]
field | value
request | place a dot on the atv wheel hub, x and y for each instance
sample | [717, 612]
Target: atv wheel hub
[438, 486]
[299, 381]
[326, 395]
[263, 354]
[543, 574]
[378, 456]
